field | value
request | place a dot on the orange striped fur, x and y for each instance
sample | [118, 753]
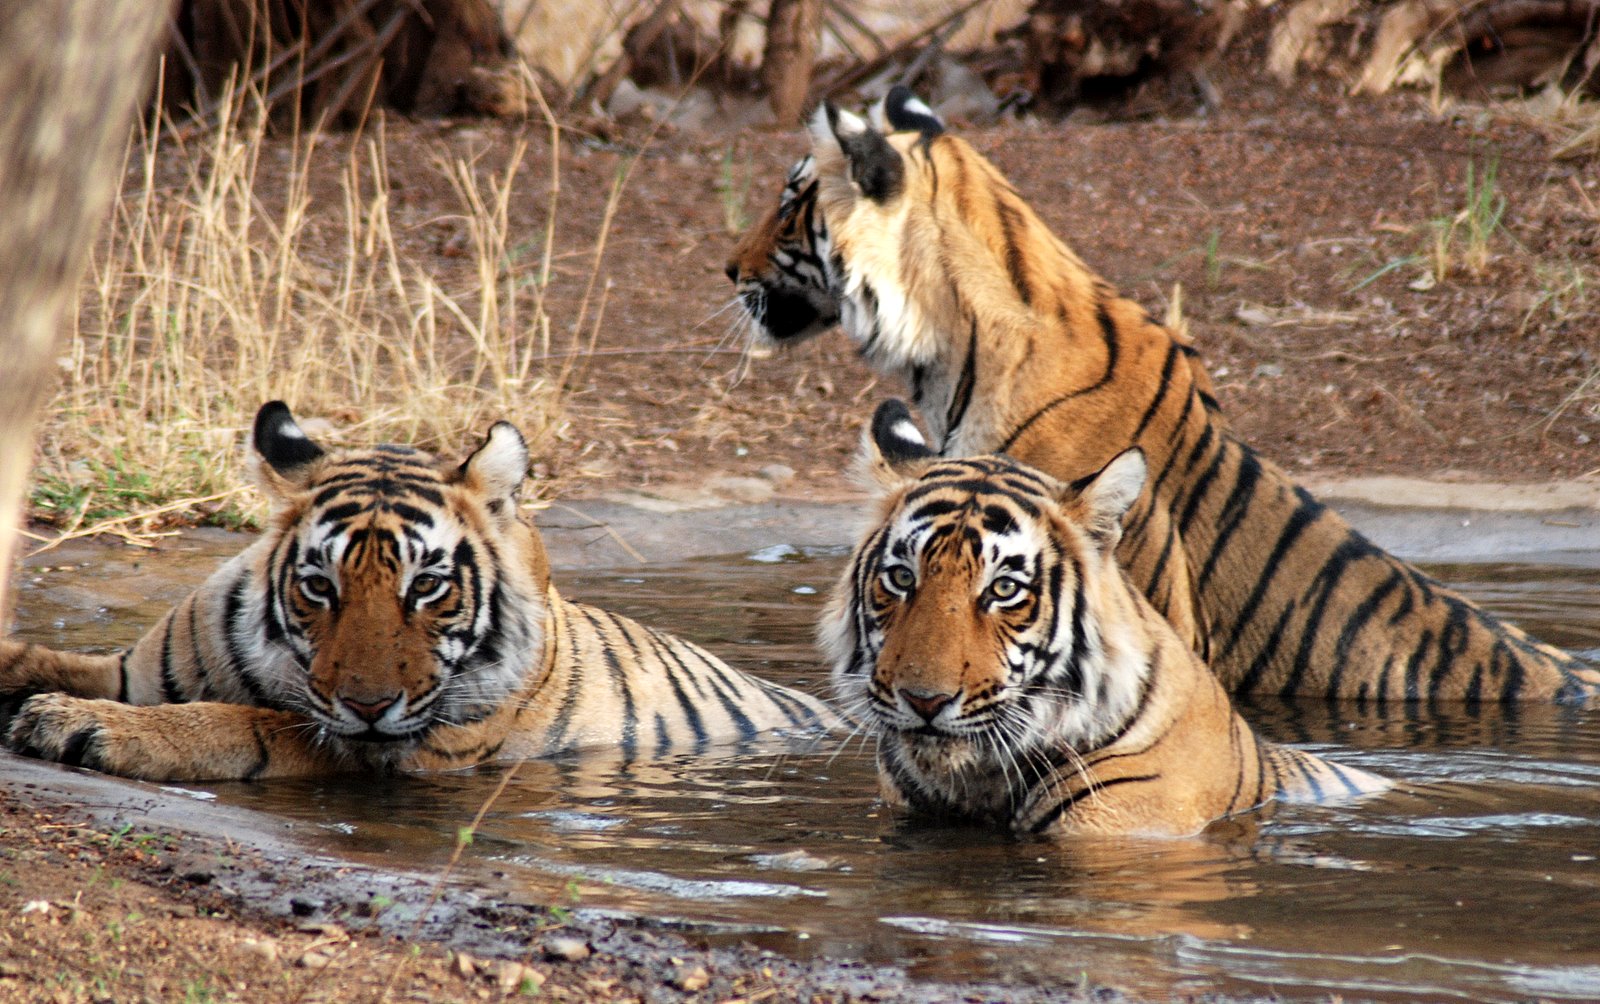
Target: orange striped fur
[398, 615]
[946, 277]
[1014, 676]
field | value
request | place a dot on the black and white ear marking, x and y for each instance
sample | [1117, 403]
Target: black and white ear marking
[1107, 496]
[875, 166]
[896, 436]
[498, 467]
[280, 441]
[903, 111]
[893, 451]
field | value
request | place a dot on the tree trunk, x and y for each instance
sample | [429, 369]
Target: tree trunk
[73, 72]
[793, 28]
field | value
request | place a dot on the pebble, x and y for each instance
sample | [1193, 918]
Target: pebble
[566, 949]
[692, 980]
[513, 976]
[313, 960]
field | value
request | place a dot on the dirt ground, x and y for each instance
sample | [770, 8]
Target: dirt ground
[1299, 230]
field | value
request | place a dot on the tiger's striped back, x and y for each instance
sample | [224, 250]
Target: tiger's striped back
[1014, 676]
[945, 276]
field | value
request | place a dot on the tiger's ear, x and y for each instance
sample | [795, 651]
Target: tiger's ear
[1102, 499]
[497, 469]
[902, 111]
[285, 454]
[893, 451]
[875, 166]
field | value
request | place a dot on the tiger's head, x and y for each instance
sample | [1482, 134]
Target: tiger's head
[404, 590]
[871, 227]
[982, 622]
[793, 277]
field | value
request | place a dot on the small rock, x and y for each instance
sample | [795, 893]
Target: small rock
[465, 966]
[692, 980]
[313, 960]
[566, 949]
[778, 474]
[266, 951]
[513, 977]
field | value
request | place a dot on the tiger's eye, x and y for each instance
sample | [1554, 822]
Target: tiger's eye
[317, 586]
[901, 577]
[426, 583]
[1004, 589]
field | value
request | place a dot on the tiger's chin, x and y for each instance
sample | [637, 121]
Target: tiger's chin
[950, 778]
[784, 316]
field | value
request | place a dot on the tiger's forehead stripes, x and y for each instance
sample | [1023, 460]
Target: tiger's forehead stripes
[963, 519]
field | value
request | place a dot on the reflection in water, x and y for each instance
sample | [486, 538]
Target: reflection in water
[1477, 879]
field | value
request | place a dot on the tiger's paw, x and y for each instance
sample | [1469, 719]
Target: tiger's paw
[102, 735]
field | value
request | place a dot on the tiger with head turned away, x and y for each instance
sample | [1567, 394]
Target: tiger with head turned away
[1015, 677]
[397, 615]
[939, 271]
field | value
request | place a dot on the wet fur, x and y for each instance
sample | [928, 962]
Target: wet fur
[398, 615]
[1070, 707]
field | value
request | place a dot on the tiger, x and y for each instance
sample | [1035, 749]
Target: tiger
[397, 615]
[1012, 673]
[941, 273]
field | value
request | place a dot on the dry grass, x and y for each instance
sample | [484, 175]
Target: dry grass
[202, 302]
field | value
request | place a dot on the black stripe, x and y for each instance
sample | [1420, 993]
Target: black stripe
[263, 756]
[1016, 261]
[1160, 395]
[1301, 518]
[560, 615]
[1246, 481]
[619, 677]
[169, 681]
[669, 659]
[234, 624]
[726, 690]
[1353, 624]
[963, 392]
[1062, 807]
[1109, 331]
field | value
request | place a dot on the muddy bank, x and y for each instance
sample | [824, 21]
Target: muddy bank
[285, 916]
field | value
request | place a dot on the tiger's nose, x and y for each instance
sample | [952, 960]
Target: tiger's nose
[732, 271]
[369, 711]
[925, 703]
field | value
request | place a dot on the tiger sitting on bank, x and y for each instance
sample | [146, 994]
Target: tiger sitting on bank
[942, 274]
[398, 615]
[1014, 676]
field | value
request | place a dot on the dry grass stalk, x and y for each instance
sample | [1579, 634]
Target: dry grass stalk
[201, 303]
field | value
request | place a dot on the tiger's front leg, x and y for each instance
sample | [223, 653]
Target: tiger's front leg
[34, 669]
[172, 742]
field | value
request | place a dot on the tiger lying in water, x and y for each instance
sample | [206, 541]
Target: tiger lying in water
[1015, 676]
[942, 274]
[398, 615]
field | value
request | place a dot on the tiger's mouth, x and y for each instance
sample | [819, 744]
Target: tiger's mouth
[786, 314]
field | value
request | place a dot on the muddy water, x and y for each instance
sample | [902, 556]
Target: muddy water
[1479, 879]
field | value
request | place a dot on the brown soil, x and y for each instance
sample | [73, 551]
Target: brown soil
[1282, 219]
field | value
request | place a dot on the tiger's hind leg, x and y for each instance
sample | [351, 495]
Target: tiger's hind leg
[171, 742]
